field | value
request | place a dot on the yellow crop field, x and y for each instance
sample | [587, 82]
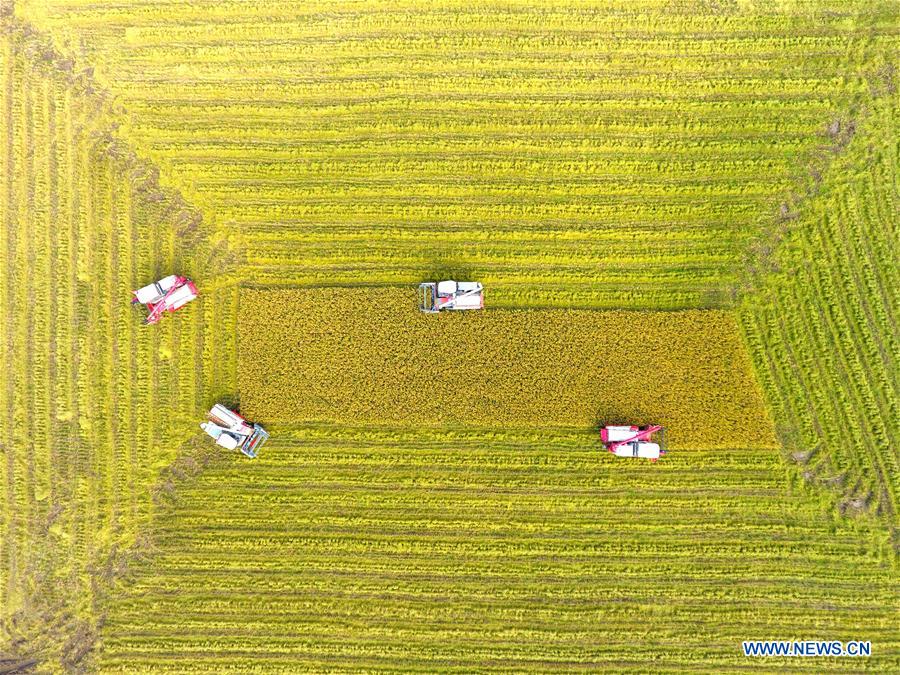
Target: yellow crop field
[589, 153]
[683, 212]
[92, 405]
[826, 337]
[367, 356]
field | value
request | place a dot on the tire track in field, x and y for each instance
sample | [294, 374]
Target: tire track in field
[22, 328]
[8, 234]
[53, 172]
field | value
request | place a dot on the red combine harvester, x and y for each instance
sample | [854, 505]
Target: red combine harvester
[632, 441]
[169, 294]
[233, 432]
[437, 296]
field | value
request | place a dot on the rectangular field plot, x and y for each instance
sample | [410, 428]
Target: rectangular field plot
[368, 356]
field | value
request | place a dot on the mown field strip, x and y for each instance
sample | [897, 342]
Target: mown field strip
[706, 119]
[83, 428]
[533, 551]
[823, 334]
[278, 119]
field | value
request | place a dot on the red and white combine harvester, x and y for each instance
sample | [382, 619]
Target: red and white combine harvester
[632, 441]
[441, 295]
[169, 294]
[233, 432]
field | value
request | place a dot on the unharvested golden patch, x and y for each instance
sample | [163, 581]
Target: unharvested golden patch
[368, 356]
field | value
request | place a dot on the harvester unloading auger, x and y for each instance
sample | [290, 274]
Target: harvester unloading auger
[632, 441]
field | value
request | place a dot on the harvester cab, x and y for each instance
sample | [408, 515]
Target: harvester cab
[169, 294]
[632, 441]
[441, 295]
[233, 432]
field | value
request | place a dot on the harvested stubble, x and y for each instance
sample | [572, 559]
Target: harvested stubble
[92, 405]
[368, 356]
[603, 153]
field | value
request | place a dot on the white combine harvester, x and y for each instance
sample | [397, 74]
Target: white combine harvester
[233, 432]
[169, 294]
[441, 295]
[632, 441]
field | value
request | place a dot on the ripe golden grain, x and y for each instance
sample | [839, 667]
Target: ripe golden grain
[368, 356]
